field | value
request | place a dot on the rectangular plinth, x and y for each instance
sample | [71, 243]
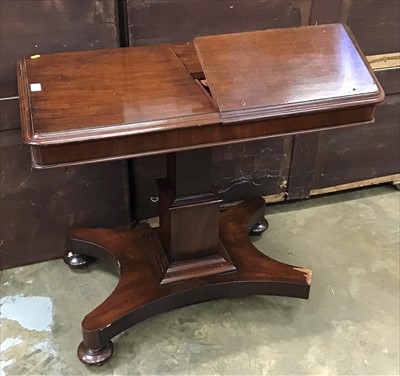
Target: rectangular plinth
[188, 228]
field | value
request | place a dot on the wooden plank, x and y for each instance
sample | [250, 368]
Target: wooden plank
[269, 199]
[37, 207]
[188, 56]
[375, 24]
[384, 61]
[386, 66]
[246, 169]
[324, 12]
[395, 179]
[360, 153]
[155, 21]
[36, 27]
[144, 175]
[9, 114]
[387, 70]
[389, 79]
[90, 94]
[273, 72]
[259, 168]
[330, 160]
[301, 177]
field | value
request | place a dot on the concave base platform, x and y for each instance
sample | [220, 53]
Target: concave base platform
[143, 292]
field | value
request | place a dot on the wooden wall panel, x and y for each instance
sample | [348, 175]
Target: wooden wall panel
[336, 158]
[326, 11]
[154, 21]
[38, 206]
[375, 23]
[9, 114]
[29, 27]
[239, 171]
[390, 80]
[302, 165]
[360, 153]
[144, 173]
[257, 168]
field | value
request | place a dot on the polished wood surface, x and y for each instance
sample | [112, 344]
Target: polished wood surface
[197, 254]
[178, 139]
[53, 30]
[122, 103]
[142, 294]
[109, 93]
[187, 202]
[271, 73]
[186, 53]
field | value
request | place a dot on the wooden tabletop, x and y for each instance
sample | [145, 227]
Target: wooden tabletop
[278, 72]
[109, 93]
[92, 106]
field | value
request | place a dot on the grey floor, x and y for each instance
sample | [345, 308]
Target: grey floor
[349, 326]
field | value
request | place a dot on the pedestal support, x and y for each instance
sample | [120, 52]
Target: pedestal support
[198, 253]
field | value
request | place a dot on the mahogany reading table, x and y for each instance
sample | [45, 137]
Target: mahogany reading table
[94, 106]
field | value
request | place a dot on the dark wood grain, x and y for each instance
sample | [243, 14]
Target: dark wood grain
[325, 12]
[37, 27]
[257, 168]
[301, 175]
[165, 21]
[125, 91]
[189, 173]
[375, 24]
[9, 114]
[38, 207]
[111, 104]
[188, 56]
[252, 168]
[329, 160]
[197, 254]
[272, 73]
[143, 295]
[389, 79]
[188, 207]
[145, 172]
[190, 138]
[361, 153]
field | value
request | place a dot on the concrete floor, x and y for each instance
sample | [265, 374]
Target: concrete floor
[349, 326]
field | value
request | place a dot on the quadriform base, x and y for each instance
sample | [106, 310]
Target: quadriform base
[141, 292]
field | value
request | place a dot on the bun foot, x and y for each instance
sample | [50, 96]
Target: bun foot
[95, 356]
[260, 227]
[76, 260]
